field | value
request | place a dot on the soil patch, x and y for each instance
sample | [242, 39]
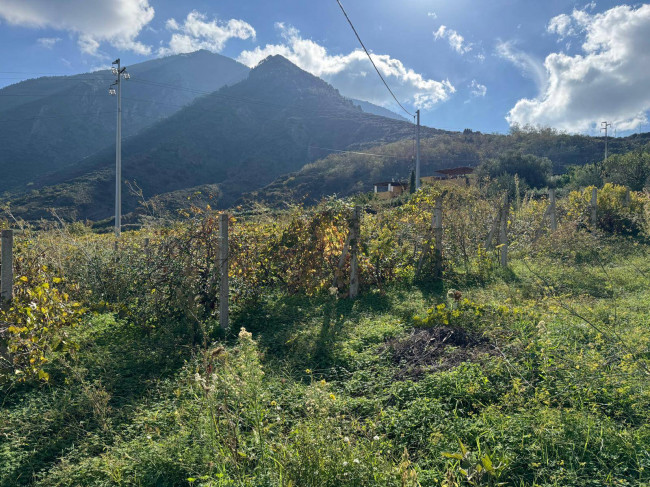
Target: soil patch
[439, 348]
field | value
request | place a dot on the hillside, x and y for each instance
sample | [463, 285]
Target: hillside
[241, 137]
[51, 122]
[368, 107]
[270, 138]
[347, 174]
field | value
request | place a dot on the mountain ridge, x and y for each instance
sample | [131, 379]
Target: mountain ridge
[240, 137]
[52, 122]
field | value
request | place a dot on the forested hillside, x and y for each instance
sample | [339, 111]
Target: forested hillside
[49, 123]
[349, 173]
[280, 135]
[242, 137]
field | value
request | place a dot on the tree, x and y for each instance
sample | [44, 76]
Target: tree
[631, 169]
[534, 171]
[412, 183]
[578, 177]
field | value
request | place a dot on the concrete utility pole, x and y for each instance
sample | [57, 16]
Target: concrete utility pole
[604, 126]
[417, 151]
[7, 277]
[120, 72]
[224, 290]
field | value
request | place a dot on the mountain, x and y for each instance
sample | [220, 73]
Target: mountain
[368, 107]
[278, 135]
[239, 138]
[51, 122]
[346, 174]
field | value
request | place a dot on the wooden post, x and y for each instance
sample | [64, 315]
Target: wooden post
[147, 249]
[503, 233]
[594, 206]
[7, 272]
[223, 266]
[552, 209]
[628, 198]
[344, 254]
[493, 230]
[355, 230]
[437, 234]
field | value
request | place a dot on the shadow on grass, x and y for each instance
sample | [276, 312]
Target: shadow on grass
[301, 329]
[89, 399]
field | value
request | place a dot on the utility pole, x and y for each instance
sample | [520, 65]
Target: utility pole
[120, 72]
[417, 151]
[604, 126]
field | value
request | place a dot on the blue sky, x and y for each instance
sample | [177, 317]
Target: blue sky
[465, 63]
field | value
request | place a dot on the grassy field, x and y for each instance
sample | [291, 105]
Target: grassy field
[534, 375]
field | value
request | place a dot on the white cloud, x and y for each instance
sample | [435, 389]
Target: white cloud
[529, 65]
[456, 41]
[48, 42]
[197, 32]
[352, 73]
[117, 22]
[88, 45]
[477, 88]
[562, 25]
[433, 15]
[608, 81]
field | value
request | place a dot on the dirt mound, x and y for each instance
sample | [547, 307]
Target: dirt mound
[439, 348]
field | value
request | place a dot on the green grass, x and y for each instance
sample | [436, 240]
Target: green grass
[556, 395]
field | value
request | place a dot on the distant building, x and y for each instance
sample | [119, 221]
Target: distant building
[388, 190]
[455, 175]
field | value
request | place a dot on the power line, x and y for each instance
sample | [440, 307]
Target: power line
[47, 73]
[211, 93]
[426, 160]
[58, 95]
[352, 152]
[373, 63]
[39, 117]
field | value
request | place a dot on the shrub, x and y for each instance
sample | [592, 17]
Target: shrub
[614, 213]
[534, 171]
[36, 324]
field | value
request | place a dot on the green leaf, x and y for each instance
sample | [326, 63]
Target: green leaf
[456, 456]
[463, 448]
[487, 464]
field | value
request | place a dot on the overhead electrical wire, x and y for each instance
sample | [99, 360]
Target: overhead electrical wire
[58, 95]
[426, 160]
[352, 152]
[46, 73]
[39, 117]
[373, 63]
[212, 93]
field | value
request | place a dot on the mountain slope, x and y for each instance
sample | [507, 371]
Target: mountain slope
[242, 138]
[368, 107]
[346, 174]
[50, 122]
